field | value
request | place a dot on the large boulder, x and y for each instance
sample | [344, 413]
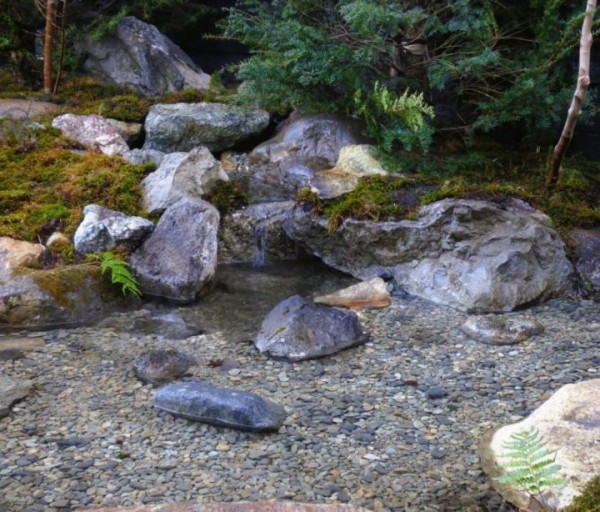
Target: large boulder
[180, 175]
[586, 244]
[255, 234]
[476, 256]
[12, 391]
[184, 126]
[179, 259]
[138, 56]
[296, 330]
[289, 161]
[200, 401]
[15, 253]
[569, 422]
[103, 229]
[72, 295]
[93, 131]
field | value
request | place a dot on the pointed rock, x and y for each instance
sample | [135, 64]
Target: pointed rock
[366, 294]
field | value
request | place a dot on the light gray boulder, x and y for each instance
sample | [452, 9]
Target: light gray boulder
[12, 391]
[200, 401]
[569, 422]
[255, 234]
[103, 229]
[71, 295]
[138, 56]
[297, 329]
[290, 160]
[181, 175]
[476, 256]
[16, 253]
[501, 329]
[184, 126]
[92, 131]
[178, 260]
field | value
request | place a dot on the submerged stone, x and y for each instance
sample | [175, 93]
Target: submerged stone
[200, 401]
[501, 329]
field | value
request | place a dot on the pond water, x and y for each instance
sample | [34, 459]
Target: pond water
[242, 296]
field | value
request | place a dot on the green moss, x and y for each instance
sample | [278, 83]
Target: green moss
[226, 196]
[51, 183]
[589, 500]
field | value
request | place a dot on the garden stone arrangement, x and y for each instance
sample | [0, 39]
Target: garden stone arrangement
[396, 393]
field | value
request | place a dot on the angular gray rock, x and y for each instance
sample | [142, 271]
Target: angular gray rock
[16, 253]
[181, 175]
[200, 401]
[289, 161]
[255, 234]
[296, 330]
[71, 295]
[569, 422]
[143, 156]
[476, 256]
[354, 162]
[92, 131]
[179, 259]
[11, 391]
[103, 229]
[501, 329]
[366, 294]
[184, 126]
[587, 259]
[162, 365]
[138, 56]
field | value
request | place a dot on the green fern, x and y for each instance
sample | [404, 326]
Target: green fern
[119, 273]
[531, 467]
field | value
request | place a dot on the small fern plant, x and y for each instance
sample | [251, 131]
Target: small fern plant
[530, 466]
[119, 273]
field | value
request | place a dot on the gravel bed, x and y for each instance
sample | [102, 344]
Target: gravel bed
[391, 425]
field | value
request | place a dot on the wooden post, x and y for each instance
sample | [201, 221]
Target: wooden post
[50, 15]
[583, 82]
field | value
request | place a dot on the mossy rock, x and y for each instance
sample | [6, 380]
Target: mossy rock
[71, 295]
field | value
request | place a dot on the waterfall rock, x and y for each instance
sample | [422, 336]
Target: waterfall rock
[71, 295]
[178, 260]
[296, 330]
[587, 259]
[15, 253]
[11, 391]
[93, 131]
[476, 256]
[224, 407]
[180, 175]
[103, 229]
[184, 126]
[138, 56]
[162, 365]
[570, 423]
[366, 294]
[501, 329]
[255, 234]
[289, 161]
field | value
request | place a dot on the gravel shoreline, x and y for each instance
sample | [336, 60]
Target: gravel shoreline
[391, 425]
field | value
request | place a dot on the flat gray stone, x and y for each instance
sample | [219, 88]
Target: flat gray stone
[11, 391]
[223, 407]
[501, 329]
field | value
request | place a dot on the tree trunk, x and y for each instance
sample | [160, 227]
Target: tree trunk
[583, 82]
[50, 15]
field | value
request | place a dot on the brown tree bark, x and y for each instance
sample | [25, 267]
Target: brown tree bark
[50, 15]
[583, 82]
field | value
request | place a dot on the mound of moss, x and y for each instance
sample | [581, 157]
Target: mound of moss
[46, 180]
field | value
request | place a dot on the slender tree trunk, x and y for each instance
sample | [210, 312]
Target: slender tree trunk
[583, 82]
[50, 15]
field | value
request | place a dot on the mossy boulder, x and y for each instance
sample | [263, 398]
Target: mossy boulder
[71, 295]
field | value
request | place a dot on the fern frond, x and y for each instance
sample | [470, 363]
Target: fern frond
[119, 273]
